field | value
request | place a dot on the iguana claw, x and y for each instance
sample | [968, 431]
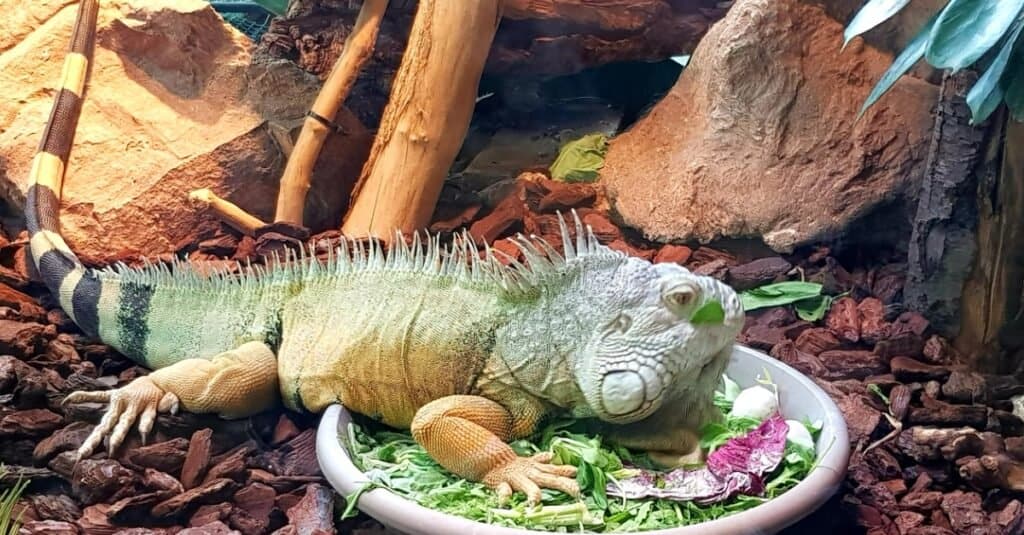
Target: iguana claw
[529, 474]
[139, 400]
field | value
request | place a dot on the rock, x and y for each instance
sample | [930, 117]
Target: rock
[169, 109]
[20, 339]
[48, 527]
[873, 326]
[851, 364]
[55, 507]
[313, 512]
[94, 481]
[935, 412]
[208, 514]
[758, 111]
[717, 268]
[938, 350]
[562, 197]
[816, 341]
[165, 456]
[909, 370]
[861, 418]
[209, 492]
[648, 254]
[213, 528]
[678, 254]
[604, 230]
[257, 500]
[762, 337]
[803, 362]
[758, 272]
[965, 387]
[29, 423]
[965, 513]
[197, 459]
[506, 217]
[67, 439]
[844, 320]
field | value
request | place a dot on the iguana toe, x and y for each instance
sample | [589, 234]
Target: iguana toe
[139, 400]
[529, 474]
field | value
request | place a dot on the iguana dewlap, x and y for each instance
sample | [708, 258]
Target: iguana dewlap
[465, 351]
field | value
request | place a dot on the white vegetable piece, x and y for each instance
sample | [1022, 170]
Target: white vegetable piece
[755, 402]
[799, 435]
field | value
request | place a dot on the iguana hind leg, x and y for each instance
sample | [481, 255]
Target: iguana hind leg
[232, 384]
[467, 435]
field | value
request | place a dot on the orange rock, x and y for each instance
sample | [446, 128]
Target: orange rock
[673, 253]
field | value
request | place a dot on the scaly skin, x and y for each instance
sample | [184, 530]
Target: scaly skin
[465, 352]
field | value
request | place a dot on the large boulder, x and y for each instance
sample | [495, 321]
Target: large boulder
[168, 109]
[760, 137]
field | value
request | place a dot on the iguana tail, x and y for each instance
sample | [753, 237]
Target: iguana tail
[77, 288]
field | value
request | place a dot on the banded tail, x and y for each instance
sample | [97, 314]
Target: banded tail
[77, 288]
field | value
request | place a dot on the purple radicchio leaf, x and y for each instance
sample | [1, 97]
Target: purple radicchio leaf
[737, 467]
[757, 453]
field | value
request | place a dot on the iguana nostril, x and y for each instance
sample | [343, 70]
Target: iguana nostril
[622, 392]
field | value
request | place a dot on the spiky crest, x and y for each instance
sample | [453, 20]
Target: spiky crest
[461, 261]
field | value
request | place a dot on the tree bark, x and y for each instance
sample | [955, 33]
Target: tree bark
[426, 118]
[358, 48]
[992, 328]
[944, 241]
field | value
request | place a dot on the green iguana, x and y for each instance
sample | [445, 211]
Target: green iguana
[461, 349]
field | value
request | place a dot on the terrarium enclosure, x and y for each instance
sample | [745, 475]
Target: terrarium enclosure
[744, 140]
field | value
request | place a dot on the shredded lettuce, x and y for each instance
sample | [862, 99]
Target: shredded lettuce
[395, 461]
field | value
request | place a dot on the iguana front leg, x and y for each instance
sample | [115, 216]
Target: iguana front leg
[232, 384]
[468, 435]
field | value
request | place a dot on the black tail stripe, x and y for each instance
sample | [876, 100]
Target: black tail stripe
[85, 28]
[85, 303]
[53, 267]
[42, 209]
[60, 130]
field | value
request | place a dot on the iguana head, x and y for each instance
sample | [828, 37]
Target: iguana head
[660, 331]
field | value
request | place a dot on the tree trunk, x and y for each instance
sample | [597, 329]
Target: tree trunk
[944, 239]
[291, 198]
[426, 118]
[992, 329]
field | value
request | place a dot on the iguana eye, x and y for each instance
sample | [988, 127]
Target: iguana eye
[680, 298]
[621, 323]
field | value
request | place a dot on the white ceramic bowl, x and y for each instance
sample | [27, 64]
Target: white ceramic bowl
[799, 396]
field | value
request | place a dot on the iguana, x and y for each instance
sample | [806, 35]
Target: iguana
[463, 350]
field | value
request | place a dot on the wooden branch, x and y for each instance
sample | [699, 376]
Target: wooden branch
[426, 118]
[229, 212]
[358, 48]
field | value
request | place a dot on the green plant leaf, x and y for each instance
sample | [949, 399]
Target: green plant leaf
[711, 312]
[580, 160]
[910, 55]
[966, 29]
[813, 309]
[779, 294]
[872, 14]
[986, 94]
[277, 7]
[1015, 95]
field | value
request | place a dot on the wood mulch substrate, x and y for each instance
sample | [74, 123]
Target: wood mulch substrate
[939, 457]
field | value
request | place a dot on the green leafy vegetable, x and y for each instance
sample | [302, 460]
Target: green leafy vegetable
[779, 294]
[394, 461]
[966, 29]
[711, 312]
[872, 14]
[913, 52]
[813, 309]
[580, 160]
